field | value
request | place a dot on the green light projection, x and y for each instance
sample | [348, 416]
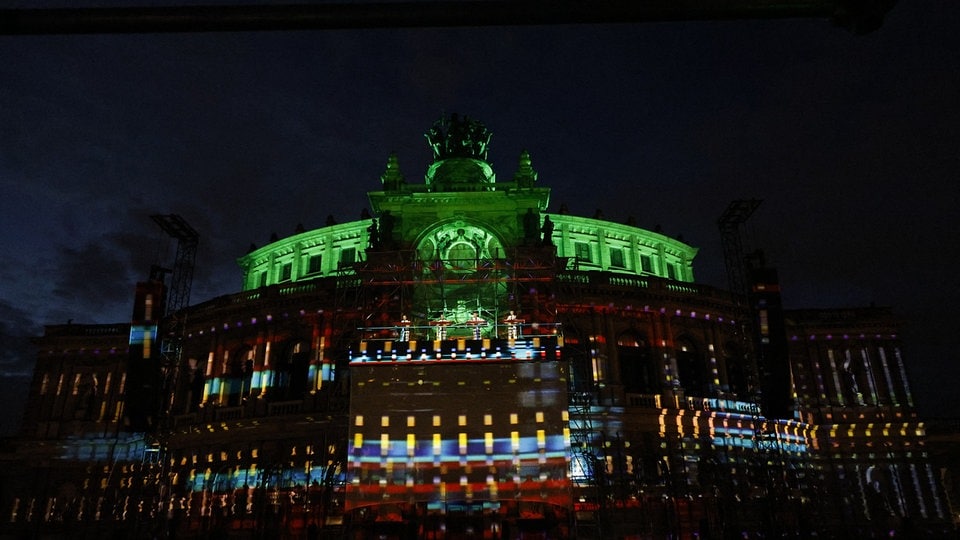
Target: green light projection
[459, 244]
[463, 271]
[463, 225]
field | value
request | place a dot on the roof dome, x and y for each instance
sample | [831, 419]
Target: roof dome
[460, 148]
[460, 174]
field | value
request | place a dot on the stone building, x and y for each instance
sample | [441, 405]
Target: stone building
[466, 364]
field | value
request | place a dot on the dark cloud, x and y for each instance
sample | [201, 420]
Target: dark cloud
[87, 276]
[850, 140]
[16, 362]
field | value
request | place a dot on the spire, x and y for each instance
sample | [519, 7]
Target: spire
[525, 175]
[392, 178]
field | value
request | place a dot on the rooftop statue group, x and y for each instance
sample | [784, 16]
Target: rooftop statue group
[458, 138]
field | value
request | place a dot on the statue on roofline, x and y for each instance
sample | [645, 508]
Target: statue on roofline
[458, 137]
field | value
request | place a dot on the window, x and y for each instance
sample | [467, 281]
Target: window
[616, 258]
[671, 271]
[646, 263]
[314, 264]
[582, 250]
[348, 256]
[263, 279]
[286, 272]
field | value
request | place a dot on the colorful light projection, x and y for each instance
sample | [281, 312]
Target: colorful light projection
[442, 432]
[143, 368]
[545, 347]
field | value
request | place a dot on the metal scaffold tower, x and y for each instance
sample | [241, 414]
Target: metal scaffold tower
[586, 464]
[181, 281]
[731, 238]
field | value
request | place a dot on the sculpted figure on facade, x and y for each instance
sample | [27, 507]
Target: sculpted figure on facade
[458, 137]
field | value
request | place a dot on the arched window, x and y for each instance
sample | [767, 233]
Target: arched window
[239, 372]
[291, 381]
[691, 367]
[577, 353]
[736, 363]
[638, 370]
[196, 379]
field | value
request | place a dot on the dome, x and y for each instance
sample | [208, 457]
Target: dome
[460, 174]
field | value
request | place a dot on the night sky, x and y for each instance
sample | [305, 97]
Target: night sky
[852, 141]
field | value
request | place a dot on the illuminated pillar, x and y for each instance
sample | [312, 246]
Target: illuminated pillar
[272, 269]
[564, 241]
[718, 363]
[888, 376]
[224, 380]
[297, 262]
[603, 252]
[207, 377]
[661, 260]
[256, 376]
[658, 349]
[814, 363]
[670, 351]
[686, 269]
[903, 376]
[266, 376]
[850, 370]
[871, 380]
[329, 263]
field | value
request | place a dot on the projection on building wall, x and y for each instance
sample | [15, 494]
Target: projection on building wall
[454, 432]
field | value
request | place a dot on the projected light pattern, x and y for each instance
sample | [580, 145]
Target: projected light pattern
[128, 447]
[448, 431]
[545, 347]
[226, 479]
[143, 334]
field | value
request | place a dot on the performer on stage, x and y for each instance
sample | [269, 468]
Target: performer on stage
[477, 323]
[404, 328]
[513, 325]
[441, 327]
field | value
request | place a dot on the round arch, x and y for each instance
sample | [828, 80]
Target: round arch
[455, 240]
[290, 370]
[638, 371]
[691, 368]
[238, 374]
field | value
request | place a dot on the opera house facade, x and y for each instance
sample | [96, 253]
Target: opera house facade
[463, 363]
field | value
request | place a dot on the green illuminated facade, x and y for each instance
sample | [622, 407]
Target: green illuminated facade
[461, 212]
[466, 364]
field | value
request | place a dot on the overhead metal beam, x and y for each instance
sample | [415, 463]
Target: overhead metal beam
[858, 15]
